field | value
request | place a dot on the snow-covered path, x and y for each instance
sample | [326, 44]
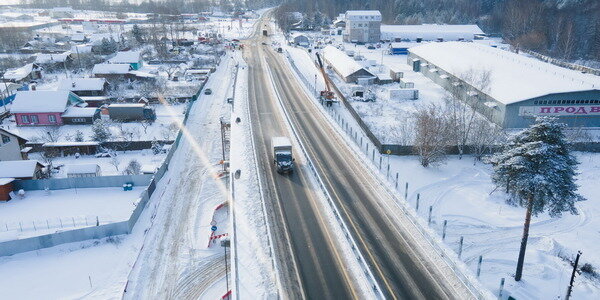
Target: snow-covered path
[175, 253]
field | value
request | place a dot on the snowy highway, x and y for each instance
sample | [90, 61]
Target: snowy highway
[403, 265]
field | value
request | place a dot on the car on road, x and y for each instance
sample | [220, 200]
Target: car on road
[229, 100]
[371, 47]
[207, 92]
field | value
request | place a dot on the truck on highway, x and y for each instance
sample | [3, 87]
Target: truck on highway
[265, 33]
[282, 154]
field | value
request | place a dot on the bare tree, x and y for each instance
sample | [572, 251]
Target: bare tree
[50, 134]
[115, 161]
[462, 103]
[432, 135]
[485, 137]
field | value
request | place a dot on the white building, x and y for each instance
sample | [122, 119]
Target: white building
[430, 32]
[363, 26]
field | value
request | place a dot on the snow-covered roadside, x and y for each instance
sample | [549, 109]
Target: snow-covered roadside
[252, 261]
[95, 269]
[463, 194]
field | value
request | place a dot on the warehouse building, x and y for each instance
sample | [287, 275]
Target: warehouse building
[519, 88]
[363, 26]
[346, 67]
[430, 32]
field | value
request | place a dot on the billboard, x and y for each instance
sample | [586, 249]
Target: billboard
[566, 110]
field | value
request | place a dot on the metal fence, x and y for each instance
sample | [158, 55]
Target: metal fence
[82, 182]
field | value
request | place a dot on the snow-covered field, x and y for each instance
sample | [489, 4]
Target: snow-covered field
[462, 193]
[40, 213]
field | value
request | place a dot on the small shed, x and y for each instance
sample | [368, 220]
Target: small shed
[82, 170]
[128, 112]
[6, 187]
[21, 169]
[399, 48]
[80, 115]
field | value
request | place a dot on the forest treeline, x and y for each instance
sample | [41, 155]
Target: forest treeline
[567, 29]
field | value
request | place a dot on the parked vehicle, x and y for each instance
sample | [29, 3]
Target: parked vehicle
[265, 33]
[207, 92]
[279, 50]
[370, 47]
[282, 154]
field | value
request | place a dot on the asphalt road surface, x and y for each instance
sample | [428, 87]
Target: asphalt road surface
[385, 238]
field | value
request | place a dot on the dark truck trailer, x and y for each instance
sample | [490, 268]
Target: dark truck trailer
[282, 154]
[265, 33]
[131, 112]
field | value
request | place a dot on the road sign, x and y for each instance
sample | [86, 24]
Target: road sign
[388, 151]
[213, 228]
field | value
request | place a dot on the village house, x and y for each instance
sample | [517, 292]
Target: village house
[91, 90]
[133, 58]
[50, 60]
[24, 74]
[42, 108]
[111, 72]
[12, 146]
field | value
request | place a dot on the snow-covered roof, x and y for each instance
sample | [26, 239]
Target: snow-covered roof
[401, 45]
[197, 71]
[363, 13]
[127, 105]
[430, 31]
[18, 73]
[141, 74]
[513, 77]
[40, 101]
[17, 168]
[94, 98]
[48, 58]
[343, 63]
[82, 84]
[4, 181]
[82, 169]
[126, 57]
[78, 37]
[117, 69]
[80, 112]
[6, 131]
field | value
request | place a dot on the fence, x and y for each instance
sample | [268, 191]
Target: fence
[115, 145]
[83, 182]
[561, 63]
[93, 232]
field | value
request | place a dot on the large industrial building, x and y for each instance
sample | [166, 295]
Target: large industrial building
[519, 88]
[430, 32]
[363, 26]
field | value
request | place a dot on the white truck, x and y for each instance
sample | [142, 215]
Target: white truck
[282, 154]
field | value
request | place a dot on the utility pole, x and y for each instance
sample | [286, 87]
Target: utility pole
[573, 276]
[225, 244]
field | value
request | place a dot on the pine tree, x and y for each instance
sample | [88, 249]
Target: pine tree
[100, 131]
[538, 171]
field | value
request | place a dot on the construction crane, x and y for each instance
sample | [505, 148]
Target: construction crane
[327, 96]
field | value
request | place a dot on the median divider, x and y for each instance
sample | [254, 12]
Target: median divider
[358, 255]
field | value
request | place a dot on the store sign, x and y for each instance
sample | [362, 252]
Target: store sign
[577, 110]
